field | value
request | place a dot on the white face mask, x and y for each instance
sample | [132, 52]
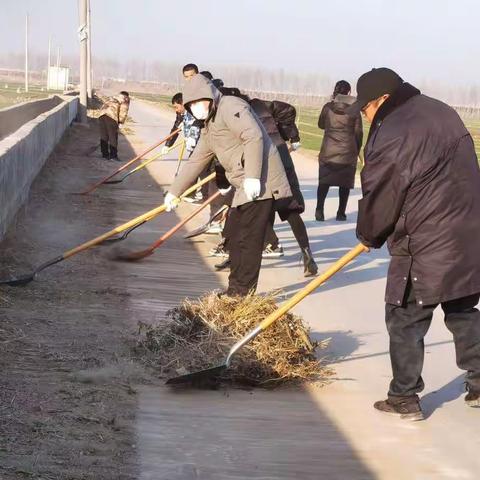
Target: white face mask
[199, 110]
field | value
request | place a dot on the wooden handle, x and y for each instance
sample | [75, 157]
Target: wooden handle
[150, 160]
[179, 225]
[146, 216]
[133, 160]
[315, 283]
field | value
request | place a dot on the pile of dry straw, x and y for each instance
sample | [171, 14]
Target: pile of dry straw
[199, 334]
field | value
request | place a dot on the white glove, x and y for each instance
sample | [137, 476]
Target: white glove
[224, 191]
[251, 187]
[190, 144]
[295, 145]
[171, 202]
[165, 150]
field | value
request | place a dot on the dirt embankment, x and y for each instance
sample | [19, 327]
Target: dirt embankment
[67, 394]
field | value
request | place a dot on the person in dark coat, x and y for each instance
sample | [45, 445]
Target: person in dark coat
[341, 146]
[421, 195]
[277, 119]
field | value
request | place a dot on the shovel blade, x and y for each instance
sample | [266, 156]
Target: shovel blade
[113, 182]
[133, 256]
[198, 231]
[197, 377]
[18, 281]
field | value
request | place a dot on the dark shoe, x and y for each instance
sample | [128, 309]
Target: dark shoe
[310, 268]
[341, 217]
[113, 154]
[319, 216]
[223, 265]
[104, 149]
[472, 399]
[407, 408]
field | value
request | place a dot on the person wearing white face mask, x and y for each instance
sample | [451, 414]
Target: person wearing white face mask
[235, 136]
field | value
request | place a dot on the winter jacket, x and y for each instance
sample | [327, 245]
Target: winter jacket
[263, 111]
[191, 128]
[237, 138]
[115, 109]
[285, 116]
[343, 133]
[421, 194]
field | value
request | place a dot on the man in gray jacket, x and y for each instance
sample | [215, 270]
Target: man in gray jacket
[253, 167]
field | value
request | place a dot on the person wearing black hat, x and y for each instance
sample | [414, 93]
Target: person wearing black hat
[421, 195]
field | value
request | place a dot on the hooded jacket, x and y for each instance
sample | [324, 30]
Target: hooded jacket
[421, 194]
[234, 135]
[343, 133]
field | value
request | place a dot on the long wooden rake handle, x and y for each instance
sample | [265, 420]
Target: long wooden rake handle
[158, 155]
[298, 297]
[180, 158]
[133, 160]
[133, 256]
[179, 225]
[146, 216]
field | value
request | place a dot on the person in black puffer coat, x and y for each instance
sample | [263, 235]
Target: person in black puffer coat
[340, 149]
[278, 119]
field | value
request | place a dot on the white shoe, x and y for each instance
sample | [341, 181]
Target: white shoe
[271, 252]
[190, 199]
[215, 227]
[218, 251]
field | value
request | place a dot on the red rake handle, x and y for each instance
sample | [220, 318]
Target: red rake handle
[133, 160]
[179, 225]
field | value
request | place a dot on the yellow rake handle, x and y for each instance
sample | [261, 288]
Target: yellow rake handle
[135, 221]
[158, 155]
[315, 283]
[182, 152]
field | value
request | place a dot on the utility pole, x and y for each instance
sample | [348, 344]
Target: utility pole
[89, 53]
[83, 37]
[26, 53]
[49, 61]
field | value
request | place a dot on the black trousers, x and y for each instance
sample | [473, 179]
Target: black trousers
[408, 324]
[247, 226]
[298, 228]
[108, 130]
[343, 194]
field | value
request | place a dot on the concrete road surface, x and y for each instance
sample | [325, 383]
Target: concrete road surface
[331, 432]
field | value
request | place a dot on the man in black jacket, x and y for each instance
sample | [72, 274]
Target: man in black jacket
[421, 194]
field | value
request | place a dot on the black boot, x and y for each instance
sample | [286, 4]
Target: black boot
[113, 154]
[319, 216]
[104, 149]
[341, 217]
[310, 268]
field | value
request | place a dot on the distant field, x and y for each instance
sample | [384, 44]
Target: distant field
[307, 121]
[312, 136]
[9, 96]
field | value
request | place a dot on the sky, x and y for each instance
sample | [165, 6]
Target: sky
[422, 39]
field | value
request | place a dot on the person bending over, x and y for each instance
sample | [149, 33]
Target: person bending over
[113, 113]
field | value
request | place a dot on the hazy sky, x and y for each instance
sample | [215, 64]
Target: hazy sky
[422, 39]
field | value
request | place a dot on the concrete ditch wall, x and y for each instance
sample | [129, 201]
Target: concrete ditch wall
[24, 152]
[12, 118]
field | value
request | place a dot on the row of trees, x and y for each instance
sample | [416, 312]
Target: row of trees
[248, 78]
